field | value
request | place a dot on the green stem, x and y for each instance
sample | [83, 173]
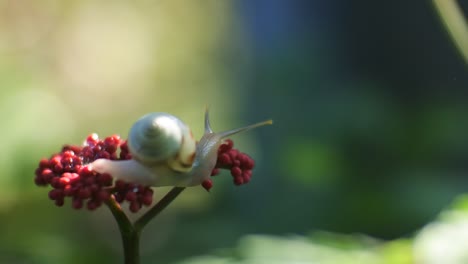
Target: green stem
[155, 210]
[130, 236]
[131, 245]
[129, 232]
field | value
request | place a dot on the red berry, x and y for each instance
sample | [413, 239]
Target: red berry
[92, 139]
[44, 163]
[134, 207]
[131, 196]
[104, 179]
[147, 199]
[40, 181]
[103, 155]
[86, 171]
[92, 205]
[84, 193]
[55, 160]
[236, 171]
[103, 195]
[207, 184]
[238, 180]
[246, 175]
[233, 154]
[59, 202]
[68, 190]
[94, 187]
[224, 159]
[77, 203]
[58, 168]
[215, 172]
[120, 185]
[47, 174]
[55, 194]
[64, 181]
[55, 182]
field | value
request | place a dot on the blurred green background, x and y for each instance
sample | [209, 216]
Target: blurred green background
[369, 144]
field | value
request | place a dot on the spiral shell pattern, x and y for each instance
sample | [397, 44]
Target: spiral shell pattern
[162, 138]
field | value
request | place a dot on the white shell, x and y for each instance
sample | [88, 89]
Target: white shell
[161, 137]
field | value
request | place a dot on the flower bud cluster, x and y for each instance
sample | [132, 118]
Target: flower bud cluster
[66, 172]
[239, 164]
[69, 176]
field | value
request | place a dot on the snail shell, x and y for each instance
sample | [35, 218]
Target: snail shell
[161, 137]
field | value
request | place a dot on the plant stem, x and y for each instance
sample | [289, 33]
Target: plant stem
[155, 210]
[129, 232]
[130, 236]
[131, 243]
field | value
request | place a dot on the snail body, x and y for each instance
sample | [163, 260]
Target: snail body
[164, 152]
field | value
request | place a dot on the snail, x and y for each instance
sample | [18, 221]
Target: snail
[164, 152]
